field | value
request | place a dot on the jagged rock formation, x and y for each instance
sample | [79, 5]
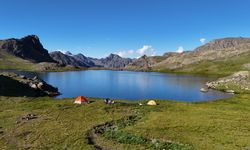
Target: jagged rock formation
[18, 85]
[28, 48]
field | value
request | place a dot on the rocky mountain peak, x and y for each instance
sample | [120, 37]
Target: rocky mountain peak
[28, 47]
[113, 56]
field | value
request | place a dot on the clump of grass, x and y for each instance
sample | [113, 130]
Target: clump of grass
[127, 138]
[115, 133]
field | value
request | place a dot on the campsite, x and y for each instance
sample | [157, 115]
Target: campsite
[125, 75]
[61, 124]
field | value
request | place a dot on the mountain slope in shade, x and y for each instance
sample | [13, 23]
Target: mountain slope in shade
[28, 48]
[63, 59]
[114, 61]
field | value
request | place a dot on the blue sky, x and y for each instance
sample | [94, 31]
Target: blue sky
[129, 27]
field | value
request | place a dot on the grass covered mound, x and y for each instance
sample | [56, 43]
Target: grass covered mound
[60, 124]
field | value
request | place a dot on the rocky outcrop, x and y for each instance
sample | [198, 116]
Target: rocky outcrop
[18, 85]
[238, 82]
[29, 48]
[143, 63]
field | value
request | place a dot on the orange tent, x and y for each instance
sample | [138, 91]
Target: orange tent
[81, 100]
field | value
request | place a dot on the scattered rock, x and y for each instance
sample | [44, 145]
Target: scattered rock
[29, 117]
[33, 86]
[22, 76]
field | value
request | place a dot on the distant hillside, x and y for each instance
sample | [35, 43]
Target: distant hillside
[111, 62]
[204, 59]
[28, 48]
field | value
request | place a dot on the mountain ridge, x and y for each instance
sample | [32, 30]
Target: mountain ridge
[30, 49]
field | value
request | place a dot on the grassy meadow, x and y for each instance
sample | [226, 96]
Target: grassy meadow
[60, 124]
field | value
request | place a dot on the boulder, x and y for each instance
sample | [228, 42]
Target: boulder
[229, 91]
[204, 89]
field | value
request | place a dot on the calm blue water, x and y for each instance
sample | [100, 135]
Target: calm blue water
[130, 85]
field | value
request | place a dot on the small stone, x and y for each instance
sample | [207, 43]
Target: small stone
[204, 89]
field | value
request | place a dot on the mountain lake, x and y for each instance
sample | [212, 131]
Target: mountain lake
[129, 85]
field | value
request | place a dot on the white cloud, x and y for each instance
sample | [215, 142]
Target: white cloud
[180, 49]
[122, 53]
[145, 50]
[202, 40]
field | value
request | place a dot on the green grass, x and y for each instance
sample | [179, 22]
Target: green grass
[60, 123]
[8, 62]
[222, 124]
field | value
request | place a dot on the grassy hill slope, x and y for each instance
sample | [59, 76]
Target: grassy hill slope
[222, 67]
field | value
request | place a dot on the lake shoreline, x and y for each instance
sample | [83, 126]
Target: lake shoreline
[150, 85]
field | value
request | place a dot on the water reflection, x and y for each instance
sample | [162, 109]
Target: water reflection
[129, 85]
